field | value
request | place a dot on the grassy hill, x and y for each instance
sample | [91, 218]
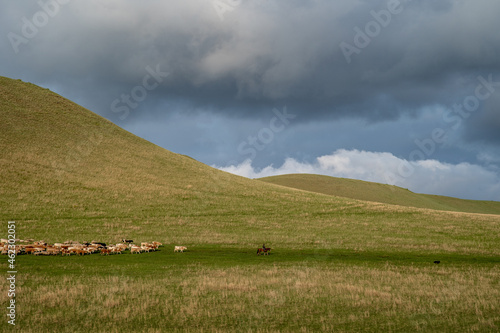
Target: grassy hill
[338, 264]
[61, 162]
[369, 191]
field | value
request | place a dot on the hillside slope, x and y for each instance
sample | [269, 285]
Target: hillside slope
[69, 174]
[60, 159]
[369, 191]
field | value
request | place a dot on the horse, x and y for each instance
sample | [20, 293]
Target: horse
[262, 251]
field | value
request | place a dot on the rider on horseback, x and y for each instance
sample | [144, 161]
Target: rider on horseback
[264, 247]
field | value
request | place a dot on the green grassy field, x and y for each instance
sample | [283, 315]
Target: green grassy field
[227, 288]
[337, 264]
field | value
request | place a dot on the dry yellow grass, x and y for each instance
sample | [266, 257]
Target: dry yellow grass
[279, 298]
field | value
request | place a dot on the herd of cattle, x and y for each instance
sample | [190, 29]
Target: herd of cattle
[68, 248]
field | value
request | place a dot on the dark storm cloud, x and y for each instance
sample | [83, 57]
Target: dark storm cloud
[485, 125]
[261, 54]
[361, 75]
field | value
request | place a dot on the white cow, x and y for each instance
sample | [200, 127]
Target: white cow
[135, 249]
[180, 249]
[146, 248]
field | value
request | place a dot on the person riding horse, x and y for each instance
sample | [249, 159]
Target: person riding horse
[263, 250]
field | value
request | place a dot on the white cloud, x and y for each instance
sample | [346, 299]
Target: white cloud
[461, 180]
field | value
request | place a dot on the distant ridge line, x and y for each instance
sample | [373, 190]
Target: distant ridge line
[382, 193]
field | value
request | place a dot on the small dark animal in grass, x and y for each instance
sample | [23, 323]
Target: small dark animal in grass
[127, 240]
[262, 251]
[437, 262]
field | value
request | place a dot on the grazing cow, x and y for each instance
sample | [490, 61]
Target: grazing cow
[29, 249]
[180, 248]
[116, 250]
[53, 251]
[34, 249]
[93, 248]
[148, 247]
[127, 241]
[135, 249]
[81, 252]
[121, 247]
[74, 249]
[158, 244]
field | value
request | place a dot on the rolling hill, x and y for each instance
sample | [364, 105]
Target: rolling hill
[375, 192]
[62, 165]
[69, 173]
[59, 160]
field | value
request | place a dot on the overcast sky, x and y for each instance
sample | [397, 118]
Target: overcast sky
[401, 92]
